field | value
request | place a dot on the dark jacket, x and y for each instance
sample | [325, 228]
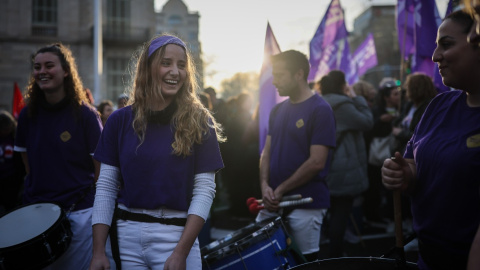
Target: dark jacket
[348, 172]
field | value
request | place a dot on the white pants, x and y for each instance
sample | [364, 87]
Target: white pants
[305, 224]
[79, 252]
[148, 245]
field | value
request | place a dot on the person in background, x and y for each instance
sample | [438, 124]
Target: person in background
[238, 176]
[105, 108]
[419, 92]
[56, 135]
[158, 156]
[366, 90]
[205, 99]
[385, 111]
[440, 166]
[219, 108]
[12, 170]
[122, 101]
[348, 176]
[90, 98]
[296, 155]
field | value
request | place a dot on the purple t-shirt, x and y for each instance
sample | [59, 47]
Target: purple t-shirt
[152, 176]
[446, 149]
[293, 129]
[59, 145]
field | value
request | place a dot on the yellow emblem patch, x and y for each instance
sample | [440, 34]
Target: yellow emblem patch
[473, 141]
[300, 123]
[65, 136]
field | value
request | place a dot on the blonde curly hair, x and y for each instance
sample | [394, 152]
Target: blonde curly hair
[191, 121]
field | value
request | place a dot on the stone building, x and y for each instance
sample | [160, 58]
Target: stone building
[27, 25]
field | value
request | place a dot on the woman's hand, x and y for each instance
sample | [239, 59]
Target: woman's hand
[99, 262]
[176, 262]
[396, 173]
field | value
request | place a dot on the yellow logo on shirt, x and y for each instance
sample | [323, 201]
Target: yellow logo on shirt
[65, 136]
[300, 123]
[473, 141]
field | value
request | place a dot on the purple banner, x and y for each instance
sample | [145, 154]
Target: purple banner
[405, 27]
[365, 56]
[268, 93]
[329, 48]
[417, 25]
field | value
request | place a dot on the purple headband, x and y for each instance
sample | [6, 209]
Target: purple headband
[164, 40]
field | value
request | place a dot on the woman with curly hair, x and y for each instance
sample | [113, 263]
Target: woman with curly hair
[56, 135]
[159, 154]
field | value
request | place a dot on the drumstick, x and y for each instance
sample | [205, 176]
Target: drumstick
[286, 198]
[397, 209]
[254, 208]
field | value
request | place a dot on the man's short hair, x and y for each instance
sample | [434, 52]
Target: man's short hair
[295, 61]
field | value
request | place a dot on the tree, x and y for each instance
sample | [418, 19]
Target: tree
[240, 82]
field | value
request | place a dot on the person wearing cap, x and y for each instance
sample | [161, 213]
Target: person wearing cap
[158, 160]
[440, 167]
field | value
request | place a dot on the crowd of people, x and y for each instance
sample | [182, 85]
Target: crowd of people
[137, 180]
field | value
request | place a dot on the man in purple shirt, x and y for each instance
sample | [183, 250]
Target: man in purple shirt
[296, 155]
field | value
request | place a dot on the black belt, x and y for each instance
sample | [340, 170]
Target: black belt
[125, 215]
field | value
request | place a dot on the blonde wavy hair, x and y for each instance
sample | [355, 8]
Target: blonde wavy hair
[192, 121]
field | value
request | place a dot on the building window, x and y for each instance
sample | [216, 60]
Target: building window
[117, 77]
[44, 17]
[118, 18]
[174, 20]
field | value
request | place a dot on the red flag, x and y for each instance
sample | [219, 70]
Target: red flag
[18, 103]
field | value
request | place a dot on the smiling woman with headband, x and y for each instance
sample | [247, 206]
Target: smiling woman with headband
[160, 155]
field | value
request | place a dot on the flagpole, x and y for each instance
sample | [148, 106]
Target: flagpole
[97, 49]
[402, 62]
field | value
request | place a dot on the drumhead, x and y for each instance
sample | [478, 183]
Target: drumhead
[27, 223]
[355, 263]
[240, 237]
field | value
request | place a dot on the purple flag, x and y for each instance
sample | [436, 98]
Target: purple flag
[405, 27]
[329, 48]
[365, 56]
[268, 93]
[417, 25]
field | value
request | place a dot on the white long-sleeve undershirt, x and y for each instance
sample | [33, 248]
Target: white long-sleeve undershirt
[108, 185]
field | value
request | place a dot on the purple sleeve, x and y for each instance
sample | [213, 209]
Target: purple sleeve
[107, 147]
[207, 154]
[93, 127]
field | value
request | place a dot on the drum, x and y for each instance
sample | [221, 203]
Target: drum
[33, 236]
[356, 263]
[264, 245]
